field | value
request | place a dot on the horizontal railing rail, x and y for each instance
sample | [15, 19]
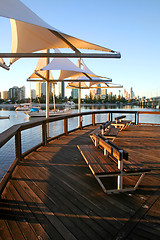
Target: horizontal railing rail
[16, 130]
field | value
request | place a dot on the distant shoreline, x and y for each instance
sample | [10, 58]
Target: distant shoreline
[61, 104]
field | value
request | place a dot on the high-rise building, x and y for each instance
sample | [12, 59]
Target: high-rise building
[16, 93]
[22, 92]
[38, 89]
[92, 93]
[131, 93]
[61, 90]
[103, 93]
[4, 95]
[33, 93]
[98, 91]
[110, 94]
[74, 93]
[41, 89]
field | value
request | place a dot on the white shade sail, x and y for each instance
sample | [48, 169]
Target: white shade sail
[96, 84]
[94, 79]
[30, 33]
[3, 65]
[2, 61]
[41, 63]
[67, 68]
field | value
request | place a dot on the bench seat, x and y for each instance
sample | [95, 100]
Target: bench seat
[106, 130]
[113, 161]
[111, 132]
[121, 123]
[97, 162]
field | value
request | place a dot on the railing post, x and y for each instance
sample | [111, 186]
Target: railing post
[66, 126]
[80, 122]
[93, 119]
[44, 133]
[137, 118]
[109, 116]
[18, 145]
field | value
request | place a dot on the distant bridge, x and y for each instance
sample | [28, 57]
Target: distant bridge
[153, 102]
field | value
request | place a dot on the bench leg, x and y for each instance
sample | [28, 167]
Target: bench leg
[101, 184]
[120, 177]
[120, 182]
[139, 180]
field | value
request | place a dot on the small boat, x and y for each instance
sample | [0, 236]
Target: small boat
[36, 112]
[69, 104]
[23, 107]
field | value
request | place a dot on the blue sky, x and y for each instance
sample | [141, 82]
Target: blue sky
[128, 26]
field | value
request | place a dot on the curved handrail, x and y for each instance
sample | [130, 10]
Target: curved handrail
[10, 132]
[16, 131]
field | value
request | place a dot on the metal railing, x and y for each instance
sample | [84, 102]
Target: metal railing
[16, 132]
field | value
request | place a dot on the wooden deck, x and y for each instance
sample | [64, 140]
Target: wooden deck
[53, 195]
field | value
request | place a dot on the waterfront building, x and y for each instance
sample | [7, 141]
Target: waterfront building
[61, 89]
[92, 93]
[16, 93]
[38, 89]
[110, 94]
[74, 93]
[22, 92]
[98, 91]
[4, 95]
[103, 93]
[41, 89]
[33, 93]
[131, 93]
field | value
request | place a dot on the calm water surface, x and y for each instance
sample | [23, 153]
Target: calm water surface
[21, 117]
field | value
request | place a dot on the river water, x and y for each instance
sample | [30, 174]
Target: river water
[33, 136]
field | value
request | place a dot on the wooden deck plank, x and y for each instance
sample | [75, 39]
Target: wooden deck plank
[4, 231]
[24, 226]
[30, 218]
[73, 202]
[57, 195]
[47, 228]
[59, 230]
[64, 214]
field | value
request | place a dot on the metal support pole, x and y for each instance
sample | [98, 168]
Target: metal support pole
[79, 95]
[47, 99]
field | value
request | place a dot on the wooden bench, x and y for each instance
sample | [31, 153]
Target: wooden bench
[121, 123]
[106, 130]
[111, 162]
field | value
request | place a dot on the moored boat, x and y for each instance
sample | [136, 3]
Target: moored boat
[69, 104]
[36, 112]
[23, 107]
